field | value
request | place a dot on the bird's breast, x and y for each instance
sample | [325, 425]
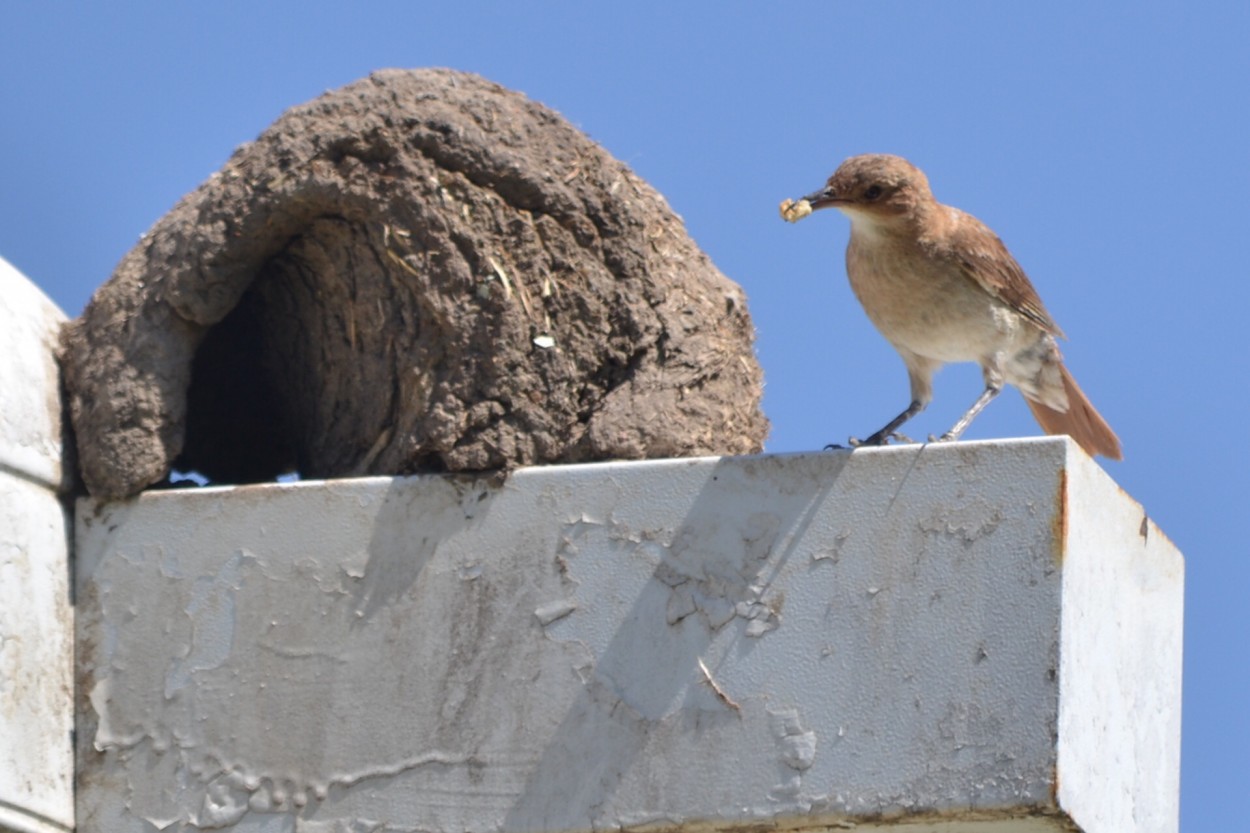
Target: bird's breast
[925, 304]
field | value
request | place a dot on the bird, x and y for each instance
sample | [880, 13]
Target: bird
[941, 287]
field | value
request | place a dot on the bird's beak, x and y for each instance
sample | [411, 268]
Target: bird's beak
[823, 198]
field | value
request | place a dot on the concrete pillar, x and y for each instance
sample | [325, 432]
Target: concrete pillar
[36, 626]
[978, 636]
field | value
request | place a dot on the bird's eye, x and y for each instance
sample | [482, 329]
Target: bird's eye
[873, 192]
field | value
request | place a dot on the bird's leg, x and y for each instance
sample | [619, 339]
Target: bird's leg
[992, 389]
[883, 436]
[920, 375]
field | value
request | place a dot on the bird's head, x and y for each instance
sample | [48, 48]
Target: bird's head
[876, 189]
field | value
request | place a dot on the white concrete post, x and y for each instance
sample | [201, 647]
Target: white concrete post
[36, 627]
[979, 636]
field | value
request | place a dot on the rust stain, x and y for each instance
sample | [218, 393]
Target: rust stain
[1059, 523]
[1051, 817]
[716, 689]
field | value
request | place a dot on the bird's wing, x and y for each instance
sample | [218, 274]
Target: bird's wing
[983, 258]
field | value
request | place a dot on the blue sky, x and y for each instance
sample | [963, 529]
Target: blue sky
[1108, 144]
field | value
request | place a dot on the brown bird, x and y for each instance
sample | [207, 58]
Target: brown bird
[941, 287]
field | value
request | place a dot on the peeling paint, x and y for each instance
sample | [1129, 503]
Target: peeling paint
[550, 612]
[967, 522]
[211, 610]
[796, 745]
[761, 618]
[834, 551]
[796, 753]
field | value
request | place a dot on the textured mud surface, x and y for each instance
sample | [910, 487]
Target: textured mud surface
[421, 271]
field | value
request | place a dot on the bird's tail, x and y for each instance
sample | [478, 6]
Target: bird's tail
[1080, 422]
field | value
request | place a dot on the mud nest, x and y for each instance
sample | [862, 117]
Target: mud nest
[419, 272]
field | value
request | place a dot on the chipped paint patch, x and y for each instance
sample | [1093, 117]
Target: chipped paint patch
[553, 611]
[966, 522]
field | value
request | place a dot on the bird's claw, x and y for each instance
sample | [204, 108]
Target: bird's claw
[875, 439]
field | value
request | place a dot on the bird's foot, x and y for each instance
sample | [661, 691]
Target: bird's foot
[876, 439]
[948, 437]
